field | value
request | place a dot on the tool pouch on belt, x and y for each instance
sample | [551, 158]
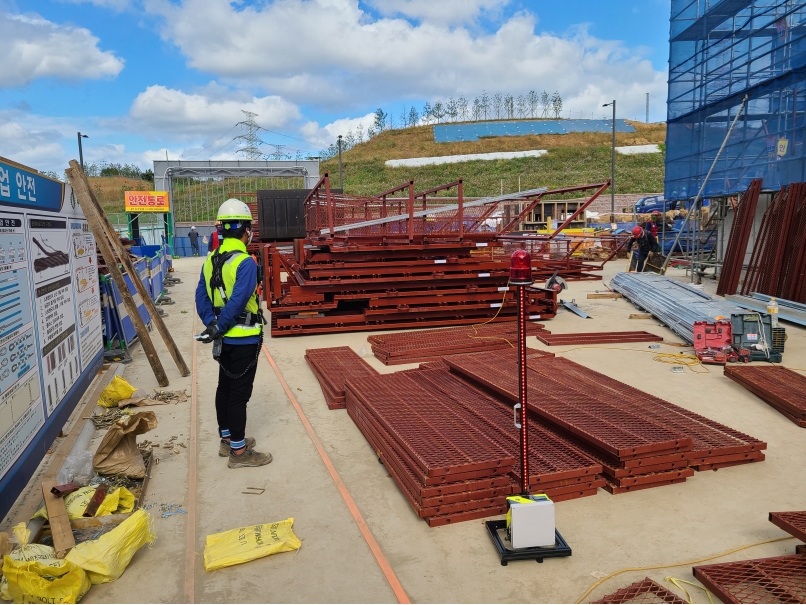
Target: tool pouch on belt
[218, 345]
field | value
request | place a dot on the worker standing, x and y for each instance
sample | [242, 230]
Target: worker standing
[193, 236]
[215, 238]
[227, 303]
[646, 243]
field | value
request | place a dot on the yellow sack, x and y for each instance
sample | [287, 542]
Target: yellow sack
[25, 553]
[106, 558]
[44, 582]
[248, 543]
[115, 391]
[120, 500]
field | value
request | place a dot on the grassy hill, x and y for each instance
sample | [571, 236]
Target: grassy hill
[573, 159]
[110, 190]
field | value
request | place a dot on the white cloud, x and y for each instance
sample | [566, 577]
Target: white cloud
[439, 11]
[190, 116]
[335, 56]
[36, 48]
[324, 136]
[38, 148]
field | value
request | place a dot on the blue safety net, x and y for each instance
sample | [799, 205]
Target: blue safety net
[720, 51]
[453, 133]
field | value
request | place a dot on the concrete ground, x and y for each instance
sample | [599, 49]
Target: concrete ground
[712, 512]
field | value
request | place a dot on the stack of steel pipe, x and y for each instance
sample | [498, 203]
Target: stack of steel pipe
[432, 345]
[781, 388]
[595, 338]
[675, 304]
[444, 462]
[332, 366]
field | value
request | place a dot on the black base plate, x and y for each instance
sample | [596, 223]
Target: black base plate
[538, 553]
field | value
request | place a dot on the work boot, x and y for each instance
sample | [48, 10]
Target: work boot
[223, 449]
[248, 458]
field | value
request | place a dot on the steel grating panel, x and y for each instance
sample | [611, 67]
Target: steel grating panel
[709, 438]
[772, 580]
[643, 591]
[591, 338]
[440, 442]
[615, 431]
[793, 523]
[652, 478]
[781, 388]
[334, 364]
[707, 441]
[615, 489]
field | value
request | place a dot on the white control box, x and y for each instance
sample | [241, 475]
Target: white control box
[531, 521]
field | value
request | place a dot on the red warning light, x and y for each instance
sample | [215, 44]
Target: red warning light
[520, 269]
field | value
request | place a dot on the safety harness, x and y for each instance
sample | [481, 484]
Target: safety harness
[247, 318]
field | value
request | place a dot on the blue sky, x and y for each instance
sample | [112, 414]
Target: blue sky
[146, 77]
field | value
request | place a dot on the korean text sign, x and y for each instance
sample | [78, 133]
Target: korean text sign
[147, 201]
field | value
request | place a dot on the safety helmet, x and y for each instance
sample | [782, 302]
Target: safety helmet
[234, 210]
[637, 231]
[656, 213]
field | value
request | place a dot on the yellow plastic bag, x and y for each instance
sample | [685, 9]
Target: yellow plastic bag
[26, 553]
[44, 582]
[248, 543]
[115, 391]
[120, 500]
[106, 558]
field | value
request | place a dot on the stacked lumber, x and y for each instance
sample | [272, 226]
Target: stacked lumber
[432, 345]
[781, 388]
[341, 287]
[331, 366]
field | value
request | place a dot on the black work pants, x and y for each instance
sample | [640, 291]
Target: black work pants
[233, 394]
[640, 260]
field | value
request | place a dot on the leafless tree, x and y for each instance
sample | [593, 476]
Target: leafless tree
[359, 133]
[414, 116]
[556, 104]
[427, 113]
[521, 107]
[477, 111]
[509, 106]
[545, 104]
[485, 103]
[452, 109]
[462, 107]
[439, 111]
[404, 118]
[498, 105]
[533, 100]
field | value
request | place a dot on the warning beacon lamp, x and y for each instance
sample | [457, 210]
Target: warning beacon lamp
[520, 269]
[529, 531]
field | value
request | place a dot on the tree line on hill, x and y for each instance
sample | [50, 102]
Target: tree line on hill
[483, 107]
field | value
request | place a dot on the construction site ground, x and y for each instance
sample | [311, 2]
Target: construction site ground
[712, 512]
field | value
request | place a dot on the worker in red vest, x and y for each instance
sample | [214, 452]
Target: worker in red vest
[215, 239]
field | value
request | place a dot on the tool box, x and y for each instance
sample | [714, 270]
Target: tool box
[754, 332]
[713, 342]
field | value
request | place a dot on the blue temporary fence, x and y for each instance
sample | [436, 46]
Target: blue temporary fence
[454, 133]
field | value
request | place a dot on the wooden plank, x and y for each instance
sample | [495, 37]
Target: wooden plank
[640, 315]
[129, 266]
[604, 295]
[63, 539]
[83, 194]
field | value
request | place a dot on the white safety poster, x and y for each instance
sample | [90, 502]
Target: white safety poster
[50, 312]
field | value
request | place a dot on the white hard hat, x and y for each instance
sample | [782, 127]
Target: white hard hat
[234, 210]
[193, 228]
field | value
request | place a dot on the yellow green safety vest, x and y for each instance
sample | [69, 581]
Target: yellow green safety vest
[228, 274]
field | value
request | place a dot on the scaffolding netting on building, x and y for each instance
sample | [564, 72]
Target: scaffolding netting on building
[720, 51]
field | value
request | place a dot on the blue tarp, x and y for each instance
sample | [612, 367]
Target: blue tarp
[452, 133]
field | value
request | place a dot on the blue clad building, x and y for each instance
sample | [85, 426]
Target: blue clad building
[720, 51]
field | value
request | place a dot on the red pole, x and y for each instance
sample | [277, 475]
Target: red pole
[523, 392]
[520, 275]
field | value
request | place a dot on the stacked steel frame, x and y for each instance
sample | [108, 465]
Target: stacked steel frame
[643, 591]
[781, 388]
[642, 441]
[432, 345]
[332, 366]
[591, 338]
[373, 263]
[771, 580]
[777, 265]
[738, 240]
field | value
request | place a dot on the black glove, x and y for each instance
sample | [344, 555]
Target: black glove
[211, 332]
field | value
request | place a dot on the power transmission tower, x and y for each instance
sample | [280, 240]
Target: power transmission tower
[251, 138]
